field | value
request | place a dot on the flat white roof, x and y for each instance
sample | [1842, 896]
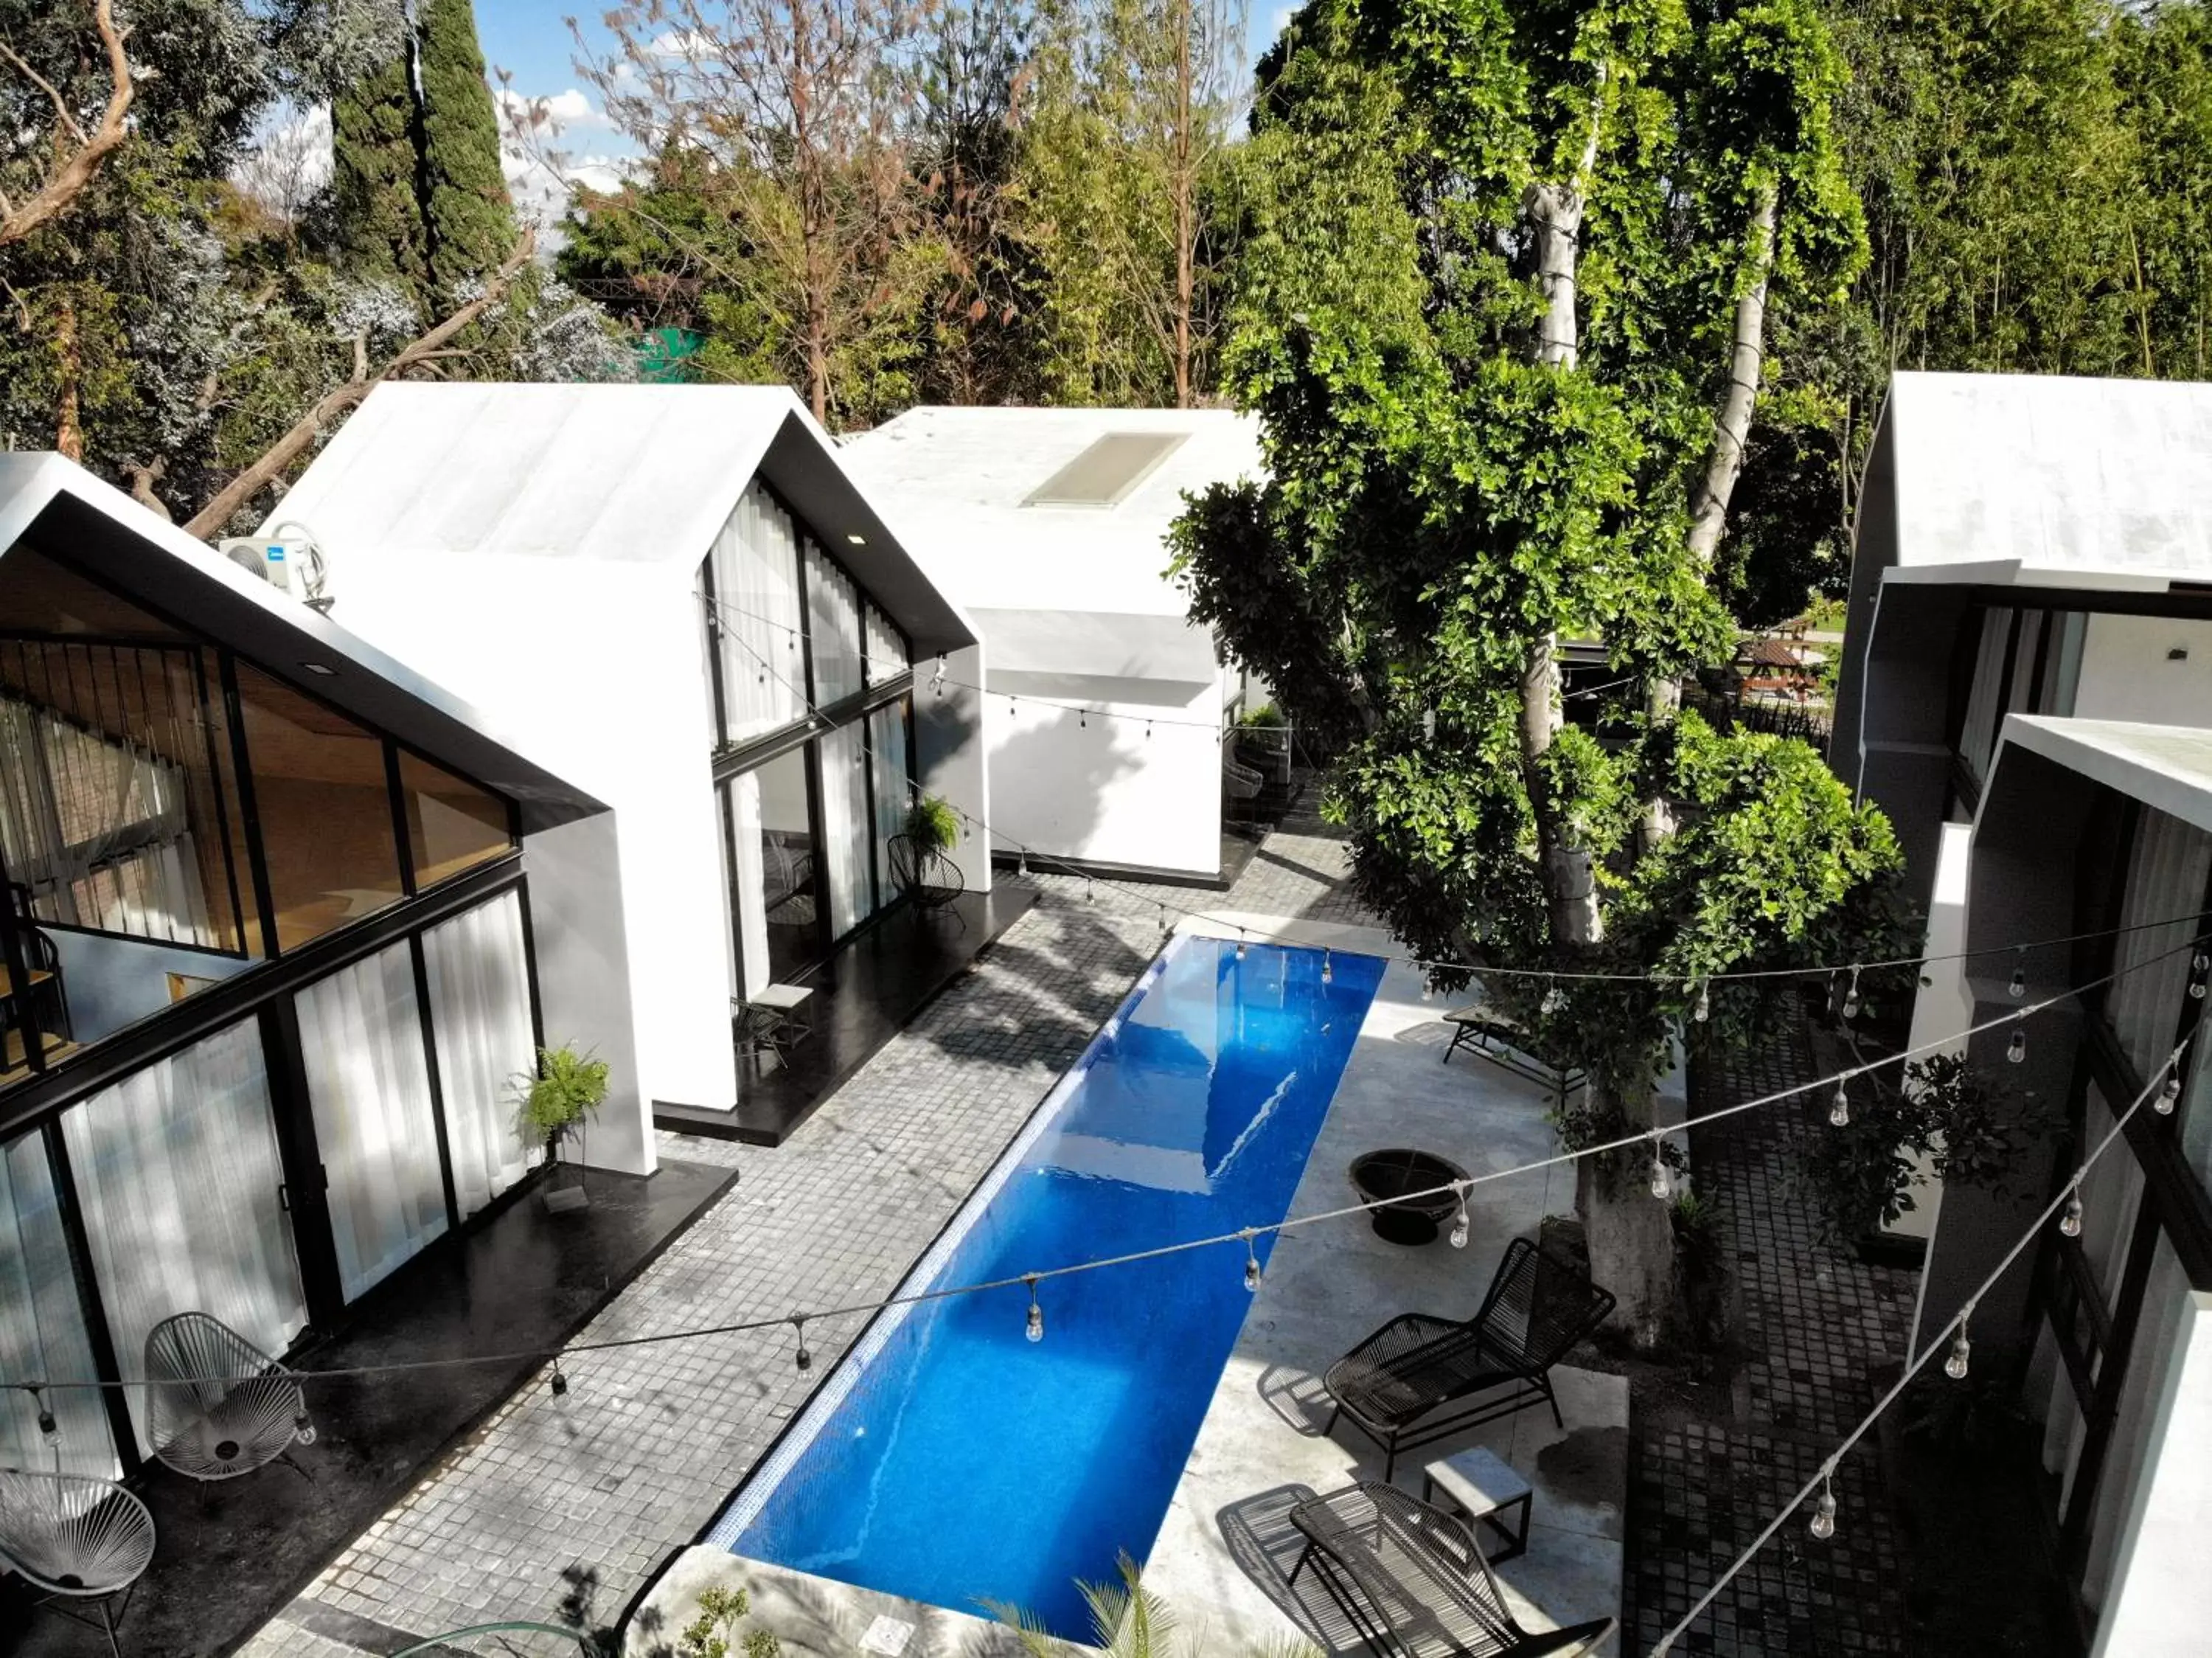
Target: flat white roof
[2167, 767]
[954, 482]
[2050, 479]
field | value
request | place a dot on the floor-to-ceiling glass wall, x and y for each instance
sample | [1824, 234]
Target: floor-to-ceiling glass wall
[478, 970]
[42, 1326]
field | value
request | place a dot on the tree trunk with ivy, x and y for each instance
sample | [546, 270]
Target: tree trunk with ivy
[1494, 318]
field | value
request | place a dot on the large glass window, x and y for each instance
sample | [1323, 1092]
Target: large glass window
[2167, 872]
[451, 825]
[323, 808]
[887, 750]
[834, 606]
[368, 1084]
[886, 649]
[479, 975]
[42, 1330]
[776, 875]
[176, 1167]
[845, 827]
[1985, 695]
[753, 588]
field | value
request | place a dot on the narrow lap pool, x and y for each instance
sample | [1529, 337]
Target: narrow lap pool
[951, 1460]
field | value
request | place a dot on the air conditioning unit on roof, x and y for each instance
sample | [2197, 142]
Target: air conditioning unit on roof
[288, 559]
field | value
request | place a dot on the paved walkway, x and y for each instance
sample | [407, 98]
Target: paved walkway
[1814, 1321]
[558, 1509]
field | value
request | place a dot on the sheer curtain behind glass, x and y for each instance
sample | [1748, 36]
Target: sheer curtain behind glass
[2166, 878]
[480, 1016]
[845, 827]
[756, 573]
[361, 1034]
[886, 650]
[745, 883]
[887, 753]
[41, 1326]
[1978, 734]
[177, 1170]
[834, 605]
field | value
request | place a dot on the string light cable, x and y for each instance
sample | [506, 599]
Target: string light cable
[1242, 1237]
[2066, 1205]
[1054, 863]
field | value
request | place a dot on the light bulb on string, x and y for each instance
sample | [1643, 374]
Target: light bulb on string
[936, 679]
[802, 1358]
[1022, 863]
[1662, 1183]
[1090, 890]
[1460, 1222]
[1083, 718]
[2018, 985]
[49, 1429]
[1148, 730]
[1428, 990]
[2198, 966]
[2168, 1096]
[1240, 943]
[1962, 1349]
[1823, 1512]
[2016, 1050]
[1851, 996]
[1163, 921]
[2069, 1223]
[1251, 1263]
[1554, 997]
[558, 1381]
[1703, 1010]
[1839, 1109]
[1036, 1327]
[1328, 968]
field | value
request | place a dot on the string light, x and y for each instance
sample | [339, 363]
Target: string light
[1022, 863]
[1704, 1010]
[1428, 990]
[49, 1429]
[1328, 968]
[1036, 1327]
[1251, 1262]
[2018, 985]
[1460, 1222]
[2169, 1095]
[1839, 1109]
[1851, 996]
[1148, 731]
[1090, 890]
[1555, 998]
[1163, 921]
[1962, 1350]
[2016, 1050]
[1240, 943]
[936, 679]
[1662, 1183]
[1083, 718]
[559, 1381]
[802, 1358]
[1823, 1512]
[2069, 1223]
[2197, 966]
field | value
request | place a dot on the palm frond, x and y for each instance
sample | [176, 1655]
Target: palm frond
[1029, 1629]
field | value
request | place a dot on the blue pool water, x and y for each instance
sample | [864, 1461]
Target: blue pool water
[951, 1459]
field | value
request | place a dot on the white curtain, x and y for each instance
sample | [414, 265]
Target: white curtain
[368, 1084]
[756, 568]
[887, 752]
[2166, 877]
[845, 827]
[177, 1172]
[42, 1333]
[480, 1016]
[886, 650]
[834, 607]
[746, 884]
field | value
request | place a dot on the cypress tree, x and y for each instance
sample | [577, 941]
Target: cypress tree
[420, 195]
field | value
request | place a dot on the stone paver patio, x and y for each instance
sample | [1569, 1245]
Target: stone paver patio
[558, 1509]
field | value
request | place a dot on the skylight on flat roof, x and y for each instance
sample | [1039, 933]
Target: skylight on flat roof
[1106, 471]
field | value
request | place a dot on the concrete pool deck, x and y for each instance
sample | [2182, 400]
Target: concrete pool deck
[1225, 1551]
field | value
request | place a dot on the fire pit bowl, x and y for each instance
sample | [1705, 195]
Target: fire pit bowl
[1385, 1178]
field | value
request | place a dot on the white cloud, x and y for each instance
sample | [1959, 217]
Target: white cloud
[290, 159]
[541, 172]
[689, 44]
[561, 111]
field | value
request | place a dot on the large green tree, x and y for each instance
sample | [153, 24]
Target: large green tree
[1512, 280]
[420, 194]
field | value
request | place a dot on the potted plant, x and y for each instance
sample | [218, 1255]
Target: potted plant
[555, 1102]
[931, 824]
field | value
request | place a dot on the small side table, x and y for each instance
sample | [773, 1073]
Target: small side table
[771, 1018]
[1483, 1488]
[790, 1001]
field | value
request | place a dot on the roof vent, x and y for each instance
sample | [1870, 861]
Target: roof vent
[1107, 470]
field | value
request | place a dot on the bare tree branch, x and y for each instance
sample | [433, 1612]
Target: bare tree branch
[73, 170]
[211, 518]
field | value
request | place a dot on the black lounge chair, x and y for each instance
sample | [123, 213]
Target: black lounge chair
[1489, 1033]
[1393, 1383]
[1412, 1581]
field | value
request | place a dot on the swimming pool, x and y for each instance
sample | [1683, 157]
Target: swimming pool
[953, 1462]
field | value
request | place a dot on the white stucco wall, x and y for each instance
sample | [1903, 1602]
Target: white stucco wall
[2127, 674]
[1943, 1009]
[1096, 788]
[2160, 1601]
[597, 670]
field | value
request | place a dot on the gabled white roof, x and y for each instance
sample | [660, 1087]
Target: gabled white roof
[2166, 766]
[953, 480]
[2050, 480]
[640, 475]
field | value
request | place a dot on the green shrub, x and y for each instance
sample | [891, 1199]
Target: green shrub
[931, 824]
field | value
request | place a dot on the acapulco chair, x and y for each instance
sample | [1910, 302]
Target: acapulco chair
[216, 1405]
[75, 1539]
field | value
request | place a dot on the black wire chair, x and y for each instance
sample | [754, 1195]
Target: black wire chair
[1394, 1382]
[929, 880]
[1413, 1582]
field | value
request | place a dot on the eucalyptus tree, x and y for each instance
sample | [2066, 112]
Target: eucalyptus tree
[1505, 311]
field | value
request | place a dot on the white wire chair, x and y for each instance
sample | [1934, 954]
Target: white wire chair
[75, 1537]
[216, 1405]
